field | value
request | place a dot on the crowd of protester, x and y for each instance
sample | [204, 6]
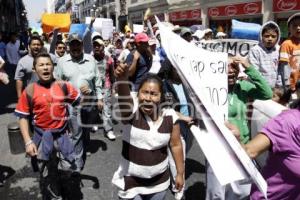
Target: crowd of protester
[66, 84]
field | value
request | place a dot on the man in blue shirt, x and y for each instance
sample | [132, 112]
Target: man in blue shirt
[139, 61]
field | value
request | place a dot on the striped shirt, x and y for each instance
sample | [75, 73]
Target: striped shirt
[143, 167]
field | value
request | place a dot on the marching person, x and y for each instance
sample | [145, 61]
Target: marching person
[81, 70]
[24, 73]
[289, 57]
[264, 56]
[105, 65]
[143, 172]
[239, 93]
[45, 100]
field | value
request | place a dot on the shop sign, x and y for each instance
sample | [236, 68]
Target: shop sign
[185, 15]
[236, 9]
[285, 5]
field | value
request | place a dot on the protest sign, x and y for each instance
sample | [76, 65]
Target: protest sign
[78, 28]
[104, 26]
[232, 46]
[138, 28]
[202, 71]
[107, 29]
[57, 20]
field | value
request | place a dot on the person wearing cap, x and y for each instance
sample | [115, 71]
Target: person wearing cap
[105, 65]
[156, 65]
[139, 61]
[118, 48]
[221, 35]
[127, 31]
[289, 56]
[129, 46]
[177, 29]
[186, 34]
[81, 70]
[208, 34]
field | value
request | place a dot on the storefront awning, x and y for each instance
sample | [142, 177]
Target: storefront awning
[286, 5]
[185, 15]
[251, 8]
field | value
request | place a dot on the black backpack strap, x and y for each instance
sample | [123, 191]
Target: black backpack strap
[29, 95]
[64, 88]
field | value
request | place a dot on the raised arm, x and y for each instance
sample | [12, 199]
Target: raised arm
[54, 40]
[259, 89]
[87, 37]
[124, 98]
[132, 68]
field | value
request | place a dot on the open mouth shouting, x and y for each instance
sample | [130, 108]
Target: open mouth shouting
[147, 108]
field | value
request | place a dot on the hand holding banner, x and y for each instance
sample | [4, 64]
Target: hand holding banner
[204, 74]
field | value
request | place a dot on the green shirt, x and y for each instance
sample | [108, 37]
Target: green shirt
[256, 88]
[80, 73]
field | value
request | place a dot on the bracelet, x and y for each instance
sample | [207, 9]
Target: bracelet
[28, 143]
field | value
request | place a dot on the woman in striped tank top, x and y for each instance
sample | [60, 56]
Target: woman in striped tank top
[143, 173]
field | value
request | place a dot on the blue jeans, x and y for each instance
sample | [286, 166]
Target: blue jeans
[76, 136]
[154, 196]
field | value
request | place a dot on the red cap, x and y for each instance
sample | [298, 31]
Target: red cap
[141, 37]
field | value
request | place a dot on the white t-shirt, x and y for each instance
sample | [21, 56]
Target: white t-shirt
[155, 64]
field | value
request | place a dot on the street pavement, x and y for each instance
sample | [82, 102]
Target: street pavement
[22, 183]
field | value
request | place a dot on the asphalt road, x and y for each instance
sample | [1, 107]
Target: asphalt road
[22, 183]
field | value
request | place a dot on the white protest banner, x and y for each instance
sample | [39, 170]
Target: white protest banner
[202, 70]
[107, 29]
[104, 26]
[97, 24]
[138, 28]
[206, 72]
[262, 112]
[232, 46]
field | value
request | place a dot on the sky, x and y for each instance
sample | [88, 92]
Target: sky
[34, 9]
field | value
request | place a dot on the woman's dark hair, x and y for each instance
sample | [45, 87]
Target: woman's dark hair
[270, 26]
[154, 79]
[41, 55]
[35, 37]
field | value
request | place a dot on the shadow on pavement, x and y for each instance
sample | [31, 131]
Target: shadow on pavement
[193, 166]
[5, 173]
[95, 145]
[23, 184]
[71, 185]
[195, 192]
